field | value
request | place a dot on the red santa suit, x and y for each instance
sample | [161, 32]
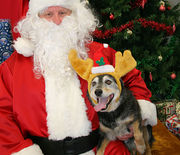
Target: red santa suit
[26, 106]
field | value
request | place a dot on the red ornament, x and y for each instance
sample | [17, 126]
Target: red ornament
[174, 27]
[162, 8]
[111, 16]
[150, 76]
[169, 8]
[143, 3]
[173, 76]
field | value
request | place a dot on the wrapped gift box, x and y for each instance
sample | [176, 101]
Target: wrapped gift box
[173, 124]
[178, 110]
[6, 48]
[166, 109]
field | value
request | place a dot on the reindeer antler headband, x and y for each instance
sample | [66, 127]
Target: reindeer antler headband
[123, 64]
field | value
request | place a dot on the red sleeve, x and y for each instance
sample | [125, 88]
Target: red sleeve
[116, 148]
[136, 84]
[11, 139]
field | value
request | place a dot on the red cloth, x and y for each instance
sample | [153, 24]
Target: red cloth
[116, 148]
[13, 10]
[22, 103]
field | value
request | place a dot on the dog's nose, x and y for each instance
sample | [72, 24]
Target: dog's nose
[98, 92]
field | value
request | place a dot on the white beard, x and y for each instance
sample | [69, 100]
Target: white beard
[52, 45]
[66, 109]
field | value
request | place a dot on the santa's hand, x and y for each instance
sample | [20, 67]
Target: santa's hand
[126, 136]
[148, 112]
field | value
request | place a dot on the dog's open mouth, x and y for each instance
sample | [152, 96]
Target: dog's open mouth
[103, 102]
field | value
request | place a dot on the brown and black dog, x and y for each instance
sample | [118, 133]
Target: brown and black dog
[117, 109]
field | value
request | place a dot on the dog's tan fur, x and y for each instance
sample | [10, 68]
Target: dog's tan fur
[101, 150]
[140, 138]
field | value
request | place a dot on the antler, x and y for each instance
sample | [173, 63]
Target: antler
[124, 63]
[82, 67]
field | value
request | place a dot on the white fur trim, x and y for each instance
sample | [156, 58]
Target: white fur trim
[148, 112]
[35, 6]
[66, 109]
[31, 150]
[105, 45]
[102, 69]
[24, 46]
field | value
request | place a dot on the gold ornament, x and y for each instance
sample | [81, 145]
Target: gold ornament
[162, 3]
[87, 2]
[160, 58]
[129, 31]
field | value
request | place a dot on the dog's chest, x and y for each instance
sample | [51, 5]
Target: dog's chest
[117, 128]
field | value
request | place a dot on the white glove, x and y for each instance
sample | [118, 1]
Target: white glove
[148, 112]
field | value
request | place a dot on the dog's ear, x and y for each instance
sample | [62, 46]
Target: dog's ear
[82, 67]
[122, 83]
[124, 63]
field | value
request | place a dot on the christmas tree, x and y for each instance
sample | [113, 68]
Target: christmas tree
[151, 30]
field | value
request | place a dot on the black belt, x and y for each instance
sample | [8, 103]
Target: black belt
[68, 146]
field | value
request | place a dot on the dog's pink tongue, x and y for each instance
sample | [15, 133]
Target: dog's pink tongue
[101, 105]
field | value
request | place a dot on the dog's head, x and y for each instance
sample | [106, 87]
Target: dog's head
[104, 93]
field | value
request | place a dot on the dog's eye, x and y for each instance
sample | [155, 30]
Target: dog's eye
[108, 82]
[93, 83]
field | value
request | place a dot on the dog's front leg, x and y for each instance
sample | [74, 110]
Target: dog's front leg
[146, 138]
[138, 136]
[102, 148]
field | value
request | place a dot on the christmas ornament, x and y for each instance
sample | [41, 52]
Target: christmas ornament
[162, 3]
[127, 34]
[150, 76]
[160, 58]
[162, 8]
[174, 27]
[87, 2]
[168, 8]
[143, 3]
[111, 16]
[173, 76]
[129, 31]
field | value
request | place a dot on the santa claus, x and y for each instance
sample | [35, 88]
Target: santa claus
[44, 108]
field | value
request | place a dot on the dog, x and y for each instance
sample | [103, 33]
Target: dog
[118, 111]
[116, 107]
